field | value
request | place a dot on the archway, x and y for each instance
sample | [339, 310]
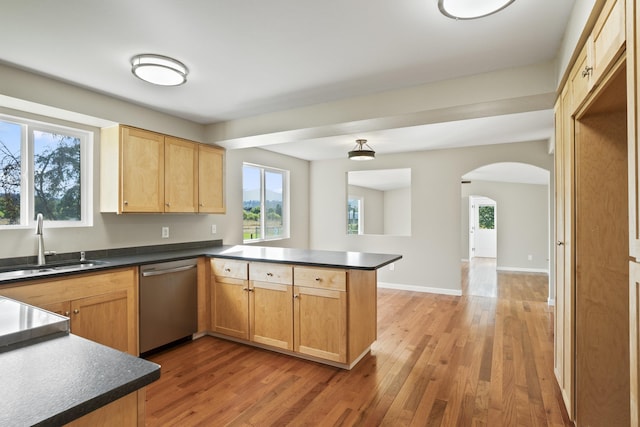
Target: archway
[520, 192]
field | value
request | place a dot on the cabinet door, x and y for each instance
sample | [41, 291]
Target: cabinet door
[633, 126]
[211, 179]
[634, 340]
[607, 38]
[320, 323]
[181, 175]
[230, 307]
[142, 171]
[271, 311]
[579, 84]
[103, 319]
[565, 273]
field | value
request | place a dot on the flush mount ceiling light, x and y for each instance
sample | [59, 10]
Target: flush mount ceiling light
[471, 9]
[362, 151]
[159, 70]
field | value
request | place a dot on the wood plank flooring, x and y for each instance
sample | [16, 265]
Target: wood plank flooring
[439, 361]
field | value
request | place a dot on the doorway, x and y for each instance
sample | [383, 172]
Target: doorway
[483, 227]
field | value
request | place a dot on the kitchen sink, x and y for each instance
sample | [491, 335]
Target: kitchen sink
[31, 270]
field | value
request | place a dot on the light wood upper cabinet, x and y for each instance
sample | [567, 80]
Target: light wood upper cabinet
[102, 307]
[147, 172]
[211, 179]
[607, 40]
[142, 167]
[604, 45]
[181, 175]
[579, 84]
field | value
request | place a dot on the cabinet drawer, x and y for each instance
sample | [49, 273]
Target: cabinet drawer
[272, 273]
[230, 268]
[327, 278]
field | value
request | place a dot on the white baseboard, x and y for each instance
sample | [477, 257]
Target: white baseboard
[551, 301]
[415, 288]
[523, 270]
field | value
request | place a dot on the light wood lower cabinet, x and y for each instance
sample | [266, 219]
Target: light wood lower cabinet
[326, 314]
[270, 305]
[102, 307]
[121, 413]
[320, 321]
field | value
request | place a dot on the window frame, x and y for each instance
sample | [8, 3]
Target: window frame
[27, 179]
[263, 217]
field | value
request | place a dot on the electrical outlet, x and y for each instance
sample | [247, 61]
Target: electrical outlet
[392, 266]
[530, 257]
[165, 232]
[213, 229]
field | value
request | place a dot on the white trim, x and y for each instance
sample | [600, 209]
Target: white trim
[551, 301]
[415, 288]
[464, 260]
[523, 270]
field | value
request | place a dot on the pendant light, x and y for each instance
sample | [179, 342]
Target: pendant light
[159, 70]
[362, 151]
[471, 9]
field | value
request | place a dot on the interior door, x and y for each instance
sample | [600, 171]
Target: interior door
[485, 230]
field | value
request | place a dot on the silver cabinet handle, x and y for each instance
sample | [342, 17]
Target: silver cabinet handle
[587, 71]
[76, 311]
[167, 270]
[270, 274]
[560, 243]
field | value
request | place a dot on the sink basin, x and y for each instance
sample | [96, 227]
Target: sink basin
[50, 268]
[23, 272]
[77, 265]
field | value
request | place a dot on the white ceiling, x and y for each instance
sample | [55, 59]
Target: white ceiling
[251, 57]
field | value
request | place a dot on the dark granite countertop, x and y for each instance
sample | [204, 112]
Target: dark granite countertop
[127, 257]
[53, 382]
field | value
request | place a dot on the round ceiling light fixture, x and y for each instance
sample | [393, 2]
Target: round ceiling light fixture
[159, 70]
[471, 9]
[362, 151]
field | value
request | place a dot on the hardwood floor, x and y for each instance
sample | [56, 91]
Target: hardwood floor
[439, 361]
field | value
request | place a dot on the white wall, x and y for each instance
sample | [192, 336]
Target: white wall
[397, 222]
[523, 223]
[431, 255]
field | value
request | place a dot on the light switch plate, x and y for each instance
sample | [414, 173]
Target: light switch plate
[213, 229]
[165, 232]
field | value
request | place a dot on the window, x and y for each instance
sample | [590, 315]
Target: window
[44, 168]
[354, 215]
[265, 198]
[486, 217]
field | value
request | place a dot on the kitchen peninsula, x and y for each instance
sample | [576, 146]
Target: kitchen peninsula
[314, 304]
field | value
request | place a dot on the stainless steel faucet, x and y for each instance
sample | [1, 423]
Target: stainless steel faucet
[39, 230]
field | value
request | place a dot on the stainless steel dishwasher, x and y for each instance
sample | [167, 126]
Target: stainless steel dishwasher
[168, 303]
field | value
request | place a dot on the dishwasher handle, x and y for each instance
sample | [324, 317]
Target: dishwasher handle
[168, 270]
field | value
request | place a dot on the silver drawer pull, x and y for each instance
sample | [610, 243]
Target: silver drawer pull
[318, 279]
[270, 274]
